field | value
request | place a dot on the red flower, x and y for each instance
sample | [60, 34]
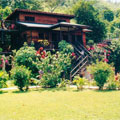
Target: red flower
[38, 52]
[43, 56]
[106, 60]
[73, 54]
[116, 77]
[44, 53]
[41, 48]
[108, 54]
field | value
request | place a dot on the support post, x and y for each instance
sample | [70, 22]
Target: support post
[84, 39]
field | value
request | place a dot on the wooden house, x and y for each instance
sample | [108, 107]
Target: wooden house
[30, 25]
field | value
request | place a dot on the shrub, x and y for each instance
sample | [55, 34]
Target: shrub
[21, 76]
[3, 78]
[101, 72]
[112, 86]
[79, 82]
[65, 47]
[117, 80]
[51, 70]
[54, 67]
[26, 56]
[114, 56]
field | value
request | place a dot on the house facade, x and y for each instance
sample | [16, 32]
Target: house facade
[47, 30]
[29, 25]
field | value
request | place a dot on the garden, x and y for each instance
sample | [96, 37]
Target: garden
[54, 96]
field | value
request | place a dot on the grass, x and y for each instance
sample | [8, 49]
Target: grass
[60, 104]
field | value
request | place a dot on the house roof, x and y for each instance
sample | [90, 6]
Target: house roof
[36, 25]
[63, 25]
[66, 24]
[15, 12]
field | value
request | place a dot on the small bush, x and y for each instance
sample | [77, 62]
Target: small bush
[112, 86]
[3, 78]
[65, 47]
[21, 76]
[26, 56]
[117, 80]
[79, 82]
[101, 72]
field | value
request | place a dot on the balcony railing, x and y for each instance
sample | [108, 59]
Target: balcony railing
[8, 25]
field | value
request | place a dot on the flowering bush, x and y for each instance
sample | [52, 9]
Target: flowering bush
[27, 56]
[53, 66]
[21, 76]
[3, 78]
[101, 72]
[41, 53]
[3, 62]
[99, 52]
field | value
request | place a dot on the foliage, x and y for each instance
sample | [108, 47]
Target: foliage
[64, 83]
[52, 5]
[98, 52]
[65, 47]
[79, 82]
[115, 54]
[27, 56]
[101, 72]
[117, 80]
[53, 66]
[90, 42]
[4, 12]
[3, 78]
[108, 15]
[21, 76]
[85, 13]
[22, 4]
[112, 86]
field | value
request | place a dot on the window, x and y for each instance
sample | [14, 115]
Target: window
[61, 21]
[31, 19]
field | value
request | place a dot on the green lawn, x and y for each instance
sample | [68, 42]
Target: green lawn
[58, 104]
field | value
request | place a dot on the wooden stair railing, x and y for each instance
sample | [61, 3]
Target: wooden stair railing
[81, 61]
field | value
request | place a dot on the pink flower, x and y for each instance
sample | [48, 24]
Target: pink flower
[6, 61]
[104, 51]
[92, 48]
[106, 60]
[73, 54]
[108, 54]
[109, 51]
[88, 49]
[2, 59]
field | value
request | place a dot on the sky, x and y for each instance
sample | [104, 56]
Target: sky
[115, 0]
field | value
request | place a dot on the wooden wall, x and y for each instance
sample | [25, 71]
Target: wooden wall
[43, 18]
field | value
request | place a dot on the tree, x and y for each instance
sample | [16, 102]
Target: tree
[86, 14]
[115, 54]
[22, 4]
[4, 12]
[108, 15]
[52, 5]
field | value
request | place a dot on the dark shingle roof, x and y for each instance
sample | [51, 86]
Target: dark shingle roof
[17, 11]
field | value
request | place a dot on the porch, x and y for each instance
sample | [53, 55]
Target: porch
[14, 34]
